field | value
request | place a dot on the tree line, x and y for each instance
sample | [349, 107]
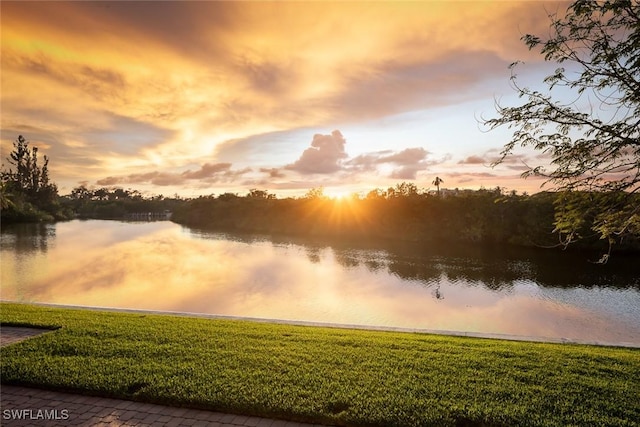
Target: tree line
[28, 195]
[116, 203]
[407, 213]
[403, 212]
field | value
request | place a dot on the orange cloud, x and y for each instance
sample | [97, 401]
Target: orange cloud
[473, 160]
[207, 173]
[200, 74]
[407, 162]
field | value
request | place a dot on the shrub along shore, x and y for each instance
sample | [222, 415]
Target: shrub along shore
[325, 375]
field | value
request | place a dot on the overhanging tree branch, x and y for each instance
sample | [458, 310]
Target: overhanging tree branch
[590, 149]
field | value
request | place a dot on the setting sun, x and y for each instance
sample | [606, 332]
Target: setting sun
[338, 195]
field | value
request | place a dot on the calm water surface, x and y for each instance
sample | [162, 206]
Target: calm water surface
[163, 266]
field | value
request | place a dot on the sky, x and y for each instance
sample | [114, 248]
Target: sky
[203, 97]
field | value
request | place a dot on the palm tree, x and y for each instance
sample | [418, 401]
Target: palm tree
[437, 183]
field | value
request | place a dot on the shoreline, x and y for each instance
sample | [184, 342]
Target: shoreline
[494, 336]
[324, 375]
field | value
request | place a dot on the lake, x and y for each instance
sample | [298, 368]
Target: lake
[168, 267]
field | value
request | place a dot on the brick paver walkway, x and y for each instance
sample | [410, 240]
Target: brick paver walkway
[12, 334]
[24, 406]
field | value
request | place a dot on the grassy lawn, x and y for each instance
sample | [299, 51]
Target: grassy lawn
[339, 376]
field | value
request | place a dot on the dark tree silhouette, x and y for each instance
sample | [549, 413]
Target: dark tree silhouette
[27, 191]
[28, 177]
[437, 183]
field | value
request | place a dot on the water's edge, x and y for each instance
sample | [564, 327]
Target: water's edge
[508, 337]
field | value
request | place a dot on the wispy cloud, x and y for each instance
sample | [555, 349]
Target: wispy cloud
[112, 86]
[208, 173]
[406, 163]
[473, 160]
[273, 172]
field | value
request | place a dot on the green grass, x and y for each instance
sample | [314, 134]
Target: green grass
[340, 376]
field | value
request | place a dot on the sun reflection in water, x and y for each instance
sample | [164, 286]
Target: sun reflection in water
[160, 266]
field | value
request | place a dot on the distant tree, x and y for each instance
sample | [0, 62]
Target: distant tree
[134, 194]
[404, 189]
[28, 177]
[101, 194]
[228, 196]
[120, 193]
[375, 194]
[20, 157]
[27, 192]
[437, 183]
[315, 194]
[80, 193]
[593, 141]
[260, 194]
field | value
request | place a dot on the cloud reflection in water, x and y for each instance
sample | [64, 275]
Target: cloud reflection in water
[162, 266]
